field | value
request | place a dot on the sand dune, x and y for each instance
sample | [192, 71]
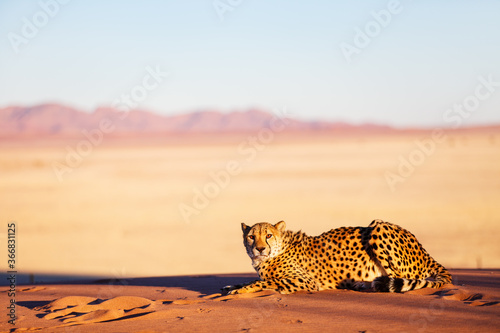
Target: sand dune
[471, 304]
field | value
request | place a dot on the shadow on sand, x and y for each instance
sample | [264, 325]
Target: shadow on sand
[204, 284]
[211, 284]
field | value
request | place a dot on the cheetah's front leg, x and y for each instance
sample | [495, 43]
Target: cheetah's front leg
[283, 286]
[251, 287]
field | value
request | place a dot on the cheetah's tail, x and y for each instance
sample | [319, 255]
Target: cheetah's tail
[399, 285]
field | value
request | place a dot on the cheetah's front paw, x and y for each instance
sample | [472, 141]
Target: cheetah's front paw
[230, 290]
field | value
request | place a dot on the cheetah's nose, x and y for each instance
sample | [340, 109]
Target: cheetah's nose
[260, 249]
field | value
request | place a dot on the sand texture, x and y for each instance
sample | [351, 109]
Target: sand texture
[192, 303]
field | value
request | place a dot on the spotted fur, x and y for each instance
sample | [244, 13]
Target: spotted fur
[382, 256]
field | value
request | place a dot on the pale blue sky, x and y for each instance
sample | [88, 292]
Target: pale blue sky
[265, 54]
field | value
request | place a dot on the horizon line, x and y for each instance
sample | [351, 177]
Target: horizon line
[257, 109]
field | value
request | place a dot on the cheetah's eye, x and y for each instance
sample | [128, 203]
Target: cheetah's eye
[252, 237]
[269, 236]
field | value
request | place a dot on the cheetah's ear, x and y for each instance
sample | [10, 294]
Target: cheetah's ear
[281, 226]
[244, 227]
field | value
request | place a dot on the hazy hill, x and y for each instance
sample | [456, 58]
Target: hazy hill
[55, 119]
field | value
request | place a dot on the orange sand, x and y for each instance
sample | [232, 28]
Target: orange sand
[191, 303]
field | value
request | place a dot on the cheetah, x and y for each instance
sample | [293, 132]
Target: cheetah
[382, 257]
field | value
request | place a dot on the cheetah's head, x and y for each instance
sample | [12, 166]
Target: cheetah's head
[263, 241]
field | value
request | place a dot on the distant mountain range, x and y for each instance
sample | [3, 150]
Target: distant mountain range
[56, 119]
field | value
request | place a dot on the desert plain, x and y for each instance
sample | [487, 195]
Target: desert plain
[139, 234]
